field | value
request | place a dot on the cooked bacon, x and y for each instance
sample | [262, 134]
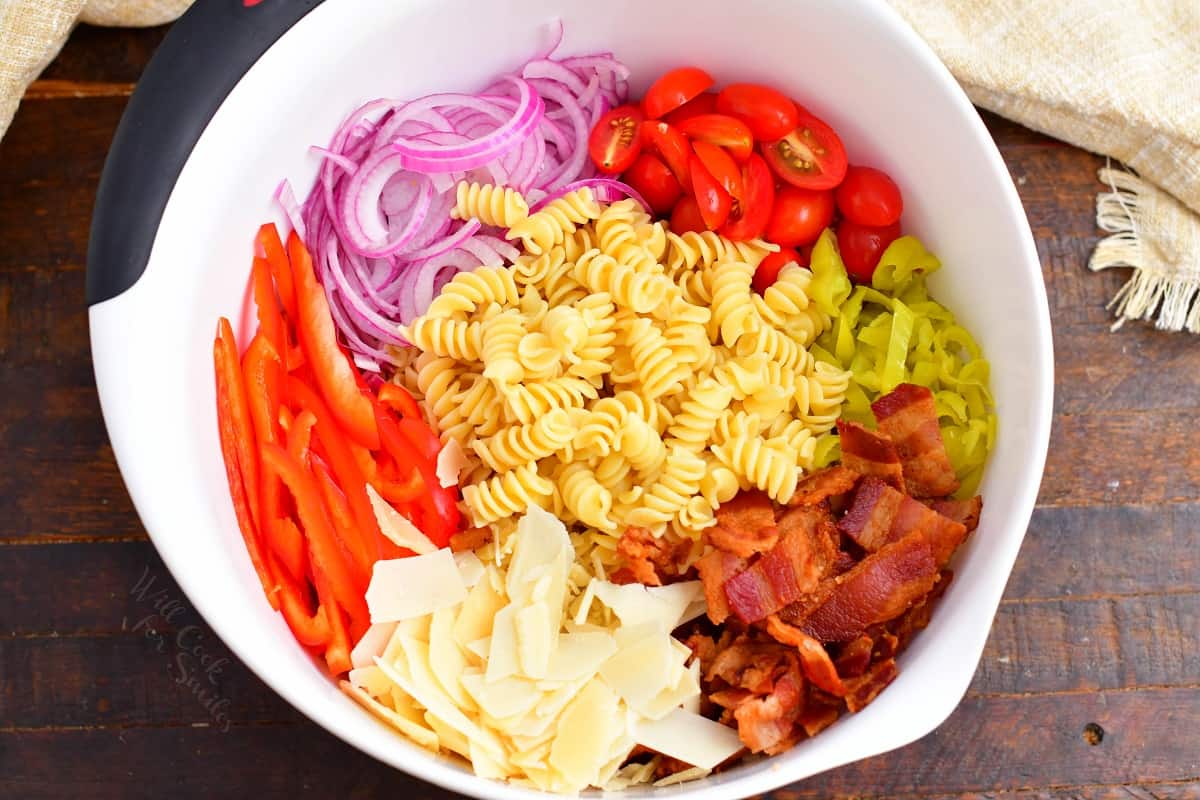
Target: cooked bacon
[917, 618]
[715, 569]
[651, 560]
[818, 666]
[745, 525]
[843, 563]
[862, 690]
[818, 716]
[779, 577]
[731, 698]
[766, 724]
[816, 524]
[886, 646]
[879, 515]
[881, 587]
[964, 512]
[855, 657]
[822, 485]
[908, 416]
[870, 453]
[470, 539]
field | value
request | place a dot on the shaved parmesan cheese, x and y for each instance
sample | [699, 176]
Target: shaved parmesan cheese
[537, 638]
[402, 588]
[502, 655]
[584, 733]
[634, 604]
[683, 776]
[418, 733]
[507, 697]
[451, 739]
[372, 644]
[476, 613]
[579, 655]
[585, 602]
[471, 568]
[677, 597]
[480, 647]
[639, 672]
[370, 679]
[397, 527]
[451, 461]
[692, 704]
[446, 660]
[541, 545]
[689, 737]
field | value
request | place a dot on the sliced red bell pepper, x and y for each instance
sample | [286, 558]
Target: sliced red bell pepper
[310, 628]
[240, 415]
[332, 369]
[422, 437]
[228, 380]
[340, 457]
[324, 553]
[395, 490]
[337, 649]
[344, 525]
[270, 321]
[400, 400]
[299, 437]
[440, 517]
[272, 249]
[287, 546]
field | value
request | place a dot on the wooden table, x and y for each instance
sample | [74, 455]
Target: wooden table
[1089, 687]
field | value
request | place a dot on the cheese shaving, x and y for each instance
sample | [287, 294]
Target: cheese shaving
[398, 527]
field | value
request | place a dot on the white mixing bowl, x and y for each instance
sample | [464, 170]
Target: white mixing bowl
[855, 63]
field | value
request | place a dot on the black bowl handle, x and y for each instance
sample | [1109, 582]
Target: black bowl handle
[201, 59]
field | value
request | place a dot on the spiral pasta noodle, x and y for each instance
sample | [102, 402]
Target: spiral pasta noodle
[586, 497]
[557, 220]
[693, 426]
[492, 205]
[467, 291]
[641, 445]
[766, 467]
[638, 291]
[454, 338]
[504, 495]
[704, 249]
[522, 444]
[678, 482]
[732, 311]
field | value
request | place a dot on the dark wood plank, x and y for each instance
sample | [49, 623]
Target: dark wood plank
[95, 54]
[989, 744]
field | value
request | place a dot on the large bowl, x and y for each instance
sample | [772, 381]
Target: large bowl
[172, 245]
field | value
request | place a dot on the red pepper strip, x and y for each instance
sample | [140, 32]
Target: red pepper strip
[309, 628]
[263, 371]
[340, 457]
[400, 400]
[272, 247]
[335, 374]
[422, 437]
[270, 321]
[343, 525]
[287, 546]
[400, 492]
[228, 380]
[438, 505]
[295, 359]
[240, 415]
[337, 649]
[323, 549]
[300, 436]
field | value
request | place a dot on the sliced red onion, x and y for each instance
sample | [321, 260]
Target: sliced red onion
[287, 201]
[451, 242]
[606, 190]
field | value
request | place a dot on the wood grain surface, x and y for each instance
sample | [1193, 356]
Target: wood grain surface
[1089, 688]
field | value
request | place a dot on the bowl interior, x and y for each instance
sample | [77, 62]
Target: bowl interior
[853, 63]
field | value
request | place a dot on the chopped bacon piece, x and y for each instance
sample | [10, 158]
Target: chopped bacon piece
[818, 666]
[879, 514]
[965, 512]
[862, 690]
[908, 416]
[881, 587]
[745, 525]
[731, 698]
[715, 569]
[855, 657]
[766, 724]
[651, 560]
[917, 618]
[779, 577]
[886, 646]
[703, 647]
[843, 563]
[822, 485]
[470, 539]
[818, 716]
[817, 525]
[750, 664]
[870, 453]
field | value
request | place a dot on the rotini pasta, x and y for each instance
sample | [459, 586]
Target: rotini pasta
[521, 444]
[508, 494]
[765, 466]
[557, 220]
[491, 205]
[468, 291]
[454, 338]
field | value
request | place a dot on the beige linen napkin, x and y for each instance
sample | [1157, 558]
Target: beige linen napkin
[1118, 77]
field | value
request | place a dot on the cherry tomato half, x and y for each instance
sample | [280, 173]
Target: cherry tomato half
[769, 268]
[799, 216]
[770, 115]
[714, 201]
[861, 246]
[654, 181]
[720, 129]
[671, 145]
[752, 208]
[616, 140]
[811, 156]
[674, 89]
[721, 166]
[869, 196]
[686, 216]
[705, 103]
